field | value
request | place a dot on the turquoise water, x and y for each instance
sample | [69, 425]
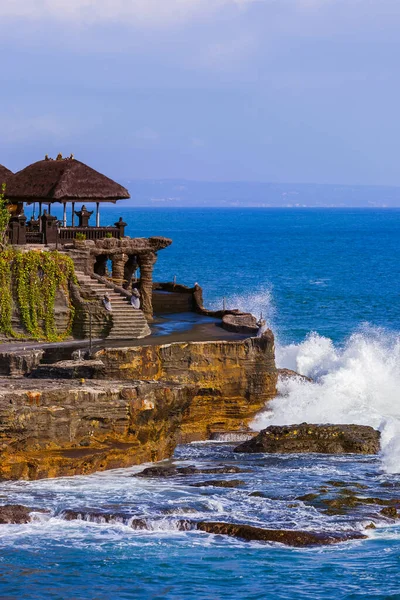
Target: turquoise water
[333, 273]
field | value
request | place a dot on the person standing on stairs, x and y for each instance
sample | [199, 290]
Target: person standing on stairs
[135, 298]
[107, 303]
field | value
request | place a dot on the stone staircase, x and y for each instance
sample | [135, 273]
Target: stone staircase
[128, 323]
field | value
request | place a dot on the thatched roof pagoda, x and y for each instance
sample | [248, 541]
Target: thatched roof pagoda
[63, 180]
[5, 175]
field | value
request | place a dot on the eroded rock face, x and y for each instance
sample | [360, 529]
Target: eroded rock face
[144, 401]
[234, 379]
[64, 428]
[325, 439]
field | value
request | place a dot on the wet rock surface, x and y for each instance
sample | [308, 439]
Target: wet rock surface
[284, 536]
[15, 513]
[288, 537]
[324, 439]
[233, 483]
[172, 471]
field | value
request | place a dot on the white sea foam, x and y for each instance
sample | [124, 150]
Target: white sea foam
[358, 383]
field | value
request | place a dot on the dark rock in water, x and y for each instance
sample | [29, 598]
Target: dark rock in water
[390, 484]
[257, 495]
[99, 517]
[157, 471]
[240, 323]
[15, 513]
[324, 439]
[284, 536]
[308, 497]
[162, 471]
[335, 483]
[289, 374]
[245, 532]
[219, 483]
[389, 511]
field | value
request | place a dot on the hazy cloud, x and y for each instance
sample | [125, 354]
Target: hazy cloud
[141, 12]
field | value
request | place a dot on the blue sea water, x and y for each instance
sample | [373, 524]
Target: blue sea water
[328, 282]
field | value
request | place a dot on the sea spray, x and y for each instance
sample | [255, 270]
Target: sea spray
[258, 302]
[358, 383]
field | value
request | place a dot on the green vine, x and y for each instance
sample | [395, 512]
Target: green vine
[31, 280]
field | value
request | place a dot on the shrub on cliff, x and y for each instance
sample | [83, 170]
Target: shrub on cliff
[30, 281]
[4, 217]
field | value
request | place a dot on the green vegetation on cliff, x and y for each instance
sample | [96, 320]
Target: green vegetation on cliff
[29, 281]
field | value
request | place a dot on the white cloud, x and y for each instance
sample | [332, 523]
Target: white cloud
[142, 12]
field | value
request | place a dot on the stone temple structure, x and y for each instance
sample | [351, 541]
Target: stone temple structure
[105, 259]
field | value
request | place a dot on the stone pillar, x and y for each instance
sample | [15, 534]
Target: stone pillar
[146, 263]
[100, 265]
[130, 267]
[17, 230]
[118, 265]
[120, 224]
[49, 228]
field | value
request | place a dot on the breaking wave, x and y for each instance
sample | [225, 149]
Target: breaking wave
[257, 302]
[358, 383]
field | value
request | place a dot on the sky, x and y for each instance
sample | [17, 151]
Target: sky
[210, 90]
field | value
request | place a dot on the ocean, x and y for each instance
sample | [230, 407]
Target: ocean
[328, 283]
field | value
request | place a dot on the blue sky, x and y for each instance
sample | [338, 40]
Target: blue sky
[252, 90]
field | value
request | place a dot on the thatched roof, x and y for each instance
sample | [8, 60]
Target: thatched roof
[63, 180]
[5, 175]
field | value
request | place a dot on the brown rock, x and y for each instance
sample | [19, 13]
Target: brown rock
[296, 538]
[389, 511]
[289, 374]
[15, 513]
[233, 483]
[157, 471]
[325, 439]
[284, 536]
[234, 379]
[240, 323]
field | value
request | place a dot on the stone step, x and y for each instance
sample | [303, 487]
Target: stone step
[128, 323]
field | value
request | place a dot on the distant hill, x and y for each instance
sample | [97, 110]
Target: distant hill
[169, 192]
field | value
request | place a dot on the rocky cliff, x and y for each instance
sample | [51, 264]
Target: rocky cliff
[233, 379]
[48, 430]
[143, 402]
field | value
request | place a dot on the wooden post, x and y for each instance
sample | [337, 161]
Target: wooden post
[65, 215]
[73, 215]
[97, 214]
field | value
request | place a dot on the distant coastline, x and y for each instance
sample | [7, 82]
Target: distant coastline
[203, 194]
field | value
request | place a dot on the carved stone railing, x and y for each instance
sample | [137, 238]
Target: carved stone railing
[68, 234]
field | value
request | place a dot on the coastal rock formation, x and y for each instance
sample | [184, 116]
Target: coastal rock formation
[66, 428]
[145, 400]
[326, 439]
[234, 379]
